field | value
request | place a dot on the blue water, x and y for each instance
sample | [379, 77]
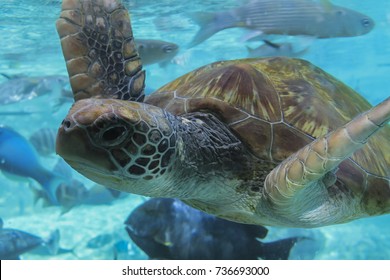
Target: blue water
[30, 46]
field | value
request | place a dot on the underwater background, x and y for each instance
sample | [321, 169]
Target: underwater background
[30, 52]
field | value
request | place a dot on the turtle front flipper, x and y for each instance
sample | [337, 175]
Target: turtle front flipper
[98, 46]
[299, 188]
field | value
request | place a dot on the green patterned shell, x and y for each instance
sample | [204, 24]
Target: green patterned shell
[278, 105]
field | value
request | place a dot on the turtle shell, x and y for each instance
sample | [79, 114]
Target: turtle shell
[278, 105]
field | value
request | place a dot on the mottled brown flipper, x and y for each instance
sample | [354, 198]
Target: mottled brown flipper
[98, 46]
[313, 164]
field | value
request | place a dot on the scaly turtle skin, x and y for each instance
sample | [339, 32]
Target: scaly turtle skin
[273, 141]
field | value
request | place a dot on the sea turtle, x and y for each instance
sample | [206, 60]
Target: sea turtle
[273, 141]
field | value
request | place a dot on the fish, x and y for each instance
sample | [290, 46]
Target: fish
[14, 242]
[17, 89]
[156, 51]
[269, 49]
[284, 17]
[44, 141]
[166, 228]
[19, 158]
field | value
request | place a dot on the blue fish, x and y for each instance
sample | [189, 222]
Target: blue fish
[18, 157]
[167, 228]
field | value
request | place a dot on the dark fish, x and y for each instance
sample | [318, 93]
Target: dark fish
[99, 241]
[285, 17]
[169, 229]
[44, 141]
[18, 157]
[14, 242]
[277, 49]
[156, 51]
[27, 88]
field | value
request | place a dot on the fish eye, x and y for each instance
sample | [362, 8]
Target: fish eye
[140, 46]
[366, 22]
[340, 12]
[168, 48]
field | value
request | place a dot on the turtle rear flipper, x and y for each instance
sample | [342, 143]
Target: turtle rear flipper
[98, 46]
[293, 187]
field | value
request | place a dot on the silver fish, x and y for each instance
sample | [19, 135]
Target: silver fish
[156, 51]
[285, 17]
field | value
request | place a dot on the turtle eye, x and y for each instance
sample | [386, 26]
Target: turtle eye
[113, 135]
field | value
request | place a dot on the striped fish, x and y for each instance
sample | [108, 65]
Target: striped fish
[44, 141]
[320, 19]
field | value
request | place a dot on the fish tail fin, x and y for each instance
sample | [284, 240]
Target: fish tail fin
[208, 27]
[276, 250]
[52, 243]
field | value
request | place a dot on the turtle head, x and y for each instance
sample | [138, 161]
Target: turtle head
[113, 141]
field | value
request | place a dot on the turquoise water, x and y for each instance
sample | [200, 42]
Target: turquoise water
[30, 47]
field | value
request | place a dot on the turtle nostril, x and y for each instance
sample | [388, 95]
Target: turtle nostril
[66, 124]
